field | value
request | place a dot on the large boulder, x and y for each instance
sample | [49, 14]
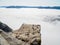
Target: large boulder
[29, 33]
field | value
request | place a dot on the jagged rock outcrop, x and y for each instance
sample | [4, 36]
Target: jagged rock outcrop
[28, 34]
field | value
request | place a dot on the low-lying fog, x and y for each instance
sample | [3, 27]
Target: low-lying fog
[49, 20]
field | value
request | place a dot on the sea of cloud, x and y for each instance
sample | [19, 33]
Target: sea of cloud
[49, 20]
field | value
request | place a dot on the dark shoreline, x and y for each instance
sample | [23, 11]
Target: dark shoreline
[39, 7]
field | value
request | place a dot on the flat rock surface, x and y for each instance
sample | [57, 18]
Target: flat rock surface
[3, 41]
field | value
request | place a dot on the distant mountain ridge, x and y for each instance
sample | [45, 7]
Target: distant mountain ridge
[39, 7]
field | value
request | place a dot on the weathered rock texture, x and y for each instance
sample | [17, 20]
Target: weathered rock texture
[29, 33]
[26, 35]
[6, 39]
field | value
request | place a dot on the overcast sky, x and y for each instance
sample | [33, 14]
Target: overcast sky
[30, 2]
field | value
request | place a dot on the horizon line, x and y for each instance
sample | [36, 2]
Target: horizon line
[39, 7]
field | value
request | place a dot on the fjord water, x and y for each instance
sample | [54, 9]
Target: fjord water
[50, 30]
